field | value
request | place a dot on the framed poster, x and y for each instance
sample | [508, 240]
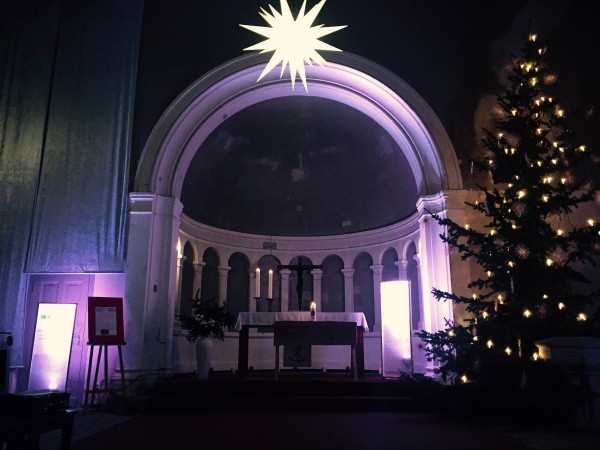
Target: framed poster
[51, 346]
[105, 320]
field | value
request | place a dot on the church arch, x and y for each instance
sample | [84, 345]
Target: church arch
[388, 261]
[346, 78]
[266, 263]
[412, 274]
[238, 283]
[232, 87]
[332, 287]
[305, 284]
[363, 286]
[187, 279]
[210, 275]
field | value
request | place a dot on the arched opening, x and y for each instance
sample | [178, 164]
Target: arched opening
[332, 288]
[301, 285]
[210, 275]
[412, 275]
[270, 284]
[363, 286]
[390, 269]
[187, 280]
[238, 283]
[232, 88]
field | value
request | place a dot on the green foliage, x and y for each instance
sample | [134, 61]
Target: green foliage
[207, 320]
[529, 249]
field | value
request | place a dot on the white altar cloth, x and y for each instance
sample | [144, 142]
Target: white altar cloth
[269, 318]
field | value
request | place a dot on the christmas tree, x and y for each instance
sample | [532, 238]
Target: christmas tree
[529, 247]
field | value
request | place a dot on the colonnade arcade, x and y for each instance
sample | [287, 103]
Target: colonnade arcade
[348, 280]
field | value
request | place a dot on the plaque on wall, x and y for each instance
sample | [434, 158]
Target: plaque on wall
[105, 321]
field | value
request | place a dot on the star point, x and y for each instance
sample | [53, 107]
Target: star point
[293, 42]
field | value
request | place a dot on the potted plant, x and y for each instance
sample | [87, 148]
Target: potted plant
[208, 321]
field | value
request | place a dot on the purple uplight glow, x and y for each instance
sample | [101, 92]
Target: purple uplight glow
[395, 327]
[52, 346]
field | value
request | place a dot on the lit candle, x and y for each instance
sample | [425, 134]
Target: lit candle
[313, 310]
[257, 282]
[270, 283]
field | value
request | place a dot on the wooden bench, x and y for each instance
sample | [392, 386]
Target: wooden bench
[24, 432]
[315, 333]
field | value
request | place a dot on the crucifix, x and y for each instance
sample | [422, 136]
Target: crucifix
[299, 269]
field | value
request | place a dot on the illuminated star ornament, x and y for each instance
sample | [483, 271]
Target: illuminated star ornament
[293, 41]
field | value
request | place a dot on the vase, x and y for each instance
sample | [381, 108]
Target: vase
[204, 350]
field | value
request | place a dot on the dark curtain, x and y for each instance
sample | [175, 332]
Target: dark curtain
[81, 204]
[27, 47]
[67, 78]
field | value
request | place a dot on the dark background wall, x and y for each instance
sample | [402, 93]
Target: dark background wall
[451, 53]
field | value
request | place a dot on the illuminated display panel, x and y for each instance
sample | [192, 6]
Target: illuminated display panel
[395, 327]
[52, 346]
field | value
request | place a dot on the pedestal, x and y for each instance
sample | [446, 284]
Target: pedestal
[579, 358]
[204, 352]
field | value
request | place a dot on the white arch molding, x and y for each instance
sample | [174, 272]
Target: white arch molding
[155, 209]
[349, 79]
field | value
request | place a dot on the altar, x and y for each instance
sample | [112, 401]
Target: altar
[247, 320]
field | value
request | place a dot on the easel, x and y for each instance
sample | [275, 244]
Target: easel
[94, 389]
[105, 328]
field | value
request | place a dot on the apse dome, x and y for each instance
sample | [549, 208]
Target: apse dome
[299, 166]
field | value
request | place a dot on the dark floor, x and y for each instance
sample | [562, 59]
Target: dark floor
[300, 411]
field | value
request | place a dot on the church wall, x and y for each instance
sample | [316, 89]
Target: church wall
[66, 101]
[26, 51]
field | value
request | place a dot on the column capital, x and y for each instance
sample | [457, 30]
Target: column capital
[348, 273]
[285, 273]
[140, 202]
[317, 274]
[436, 203]
[402, 264]
[224, 270]
[377, 269]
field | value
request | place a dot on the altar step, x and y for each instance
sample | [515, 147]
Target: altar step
[293, 392]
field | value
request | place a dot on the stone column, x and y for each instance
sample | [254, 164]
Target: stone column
[252, 289]
[317, 281]
[420, 364]
[348, 290]
[577, 358]
[377, 277]
[150, 284]
[223, 273]
[402, 266]
[436, 270]
[136, 274]
[434, 256]
[179, 276]
[421, 301]
[197, 286]
[285, 289]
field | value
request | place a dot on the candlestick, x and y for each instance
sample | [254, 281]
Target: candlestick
[270, 283]
[257, 282]
[313, 310]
